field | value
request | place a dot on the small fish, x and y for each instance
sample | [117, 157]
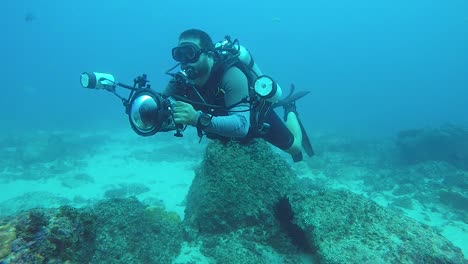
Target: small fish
[29, 17]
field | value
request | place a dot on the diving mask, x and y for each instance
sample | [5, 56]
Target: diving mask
[187, 52]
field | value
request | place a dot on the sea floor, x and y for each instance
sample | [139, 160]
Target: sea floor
[49, 169]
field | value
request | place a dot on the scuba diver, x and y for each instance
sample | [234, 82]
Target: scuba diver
[220, 90]
[222, 75]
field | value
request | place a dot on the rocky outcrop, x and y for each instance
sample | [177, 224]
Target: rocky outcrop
[113, 231]
[236, 186]
[344, 227]
[447, 143]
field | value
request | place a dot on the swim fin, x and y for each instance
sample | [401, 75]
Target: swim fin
[289, 104]
[306, 145]
[291, 98]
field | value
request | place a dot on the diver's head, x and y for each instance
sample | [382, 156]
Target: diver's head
[195, 52]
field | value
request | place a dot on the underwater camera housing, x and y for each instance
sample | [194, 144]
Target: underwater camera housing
[148, 111]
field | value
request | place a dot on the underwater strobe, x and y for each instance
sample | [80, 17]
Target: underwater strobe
[97, 80]
[267, 89]
[149, 112]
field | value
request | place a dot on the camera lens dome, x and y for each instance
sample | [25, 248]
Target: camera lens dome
[144, 113]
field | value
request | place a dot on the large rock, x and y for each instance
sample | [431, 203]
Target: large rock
[130, 232]
[114, 231]
[236, 186]
[447, 143]
[343, 227]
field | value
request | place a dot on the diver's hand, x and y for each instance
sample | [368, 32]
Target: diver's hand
[184, 114]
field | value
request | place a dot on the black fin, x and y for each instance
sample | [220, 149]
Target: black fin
[306, 141]
[291, 98]
[297, 157]
[291, 91]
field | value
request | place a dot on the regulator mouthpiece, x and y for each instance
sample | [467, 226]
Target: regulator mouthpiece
[267, 89]
[189, 73]
[97, 80]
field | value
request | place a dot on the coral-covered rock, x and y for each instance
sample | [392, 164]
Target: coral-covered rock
[447, 143]
[113, 231]
[346, 228]
[7, 235]
[457, 200]
[51, 236]
[129, 232]
[236, 186]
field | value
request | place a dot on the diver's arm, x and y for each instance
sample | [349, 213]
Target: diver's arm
[237, 123]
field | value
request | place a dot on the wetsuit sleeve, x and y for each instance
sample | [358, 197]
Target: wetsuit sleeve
[237, 122]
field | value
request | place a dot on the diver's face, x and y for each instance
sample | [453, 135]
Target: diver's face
[201, 67]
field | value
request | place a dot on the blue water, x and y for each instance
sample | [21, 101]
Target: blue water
[372, 66]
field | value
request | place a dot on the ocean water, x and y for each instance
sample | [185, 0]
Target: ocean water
[374, 67]
[375, 70]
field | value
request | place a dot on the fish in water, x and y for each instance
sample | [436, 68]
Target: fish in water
[29, 17]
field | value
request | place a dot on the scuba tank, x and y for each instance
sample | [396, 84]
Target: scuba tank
[263, 85]
[268, 95]
[264, 91]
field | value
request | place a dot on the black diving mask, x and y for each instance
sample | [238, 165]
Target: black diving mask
[187, 52]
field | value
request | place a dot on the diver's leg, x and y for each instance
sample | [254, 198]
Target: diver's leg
[299, 140]
[281, 136]
[292, 123]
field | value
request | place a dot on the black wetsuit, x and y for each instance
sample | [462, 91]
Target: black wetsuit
[226, 87]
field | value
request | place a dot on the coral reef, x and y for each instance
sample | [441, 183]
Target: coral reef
[231, 205]
[246, 205]
[52, 236]
[126, 190]
[447, 143]
[7, 235]
[236, 186]
[238, 249]
[458, 200]
[127, 232]
[113, 231]
[347, 228]
[328, 225]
